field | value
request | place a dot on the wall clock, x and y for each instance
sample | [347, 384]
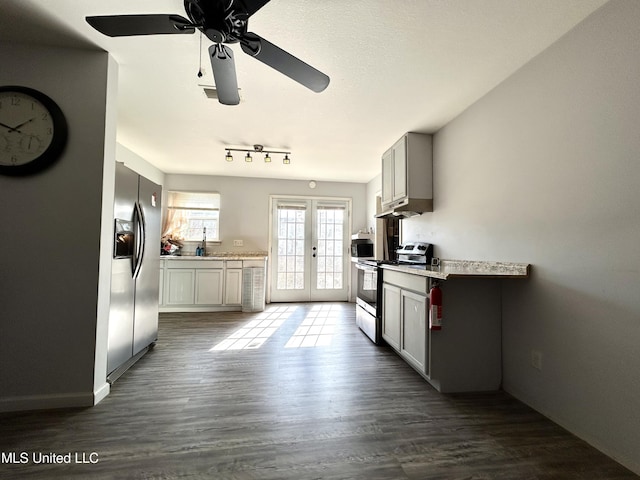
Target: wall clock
[33, 131]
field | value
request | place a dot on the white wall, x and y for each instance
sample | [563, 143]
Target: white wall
[244, 209]
[245, 204]
[54, 308]
[545, 169]
[138, 164]
[374, 189]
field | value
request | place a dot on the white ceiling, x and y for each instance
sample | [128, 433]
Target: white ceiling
[395, 66]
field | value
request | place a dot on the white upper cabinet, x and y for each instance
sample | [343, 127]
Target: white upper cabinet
[387, 177]
[407, 174]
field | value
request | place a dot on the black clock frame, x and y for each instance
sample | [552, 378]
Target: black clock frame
[60, 134]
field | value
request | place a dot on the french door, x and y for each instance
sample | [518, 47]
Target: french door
[309, 258]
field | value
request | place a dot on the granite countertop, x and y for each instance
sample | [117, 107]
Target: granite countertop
[466, 268]
[220, 256]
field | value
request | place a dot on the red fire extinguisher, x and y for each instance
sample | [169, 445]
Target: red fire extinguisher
[435, 312]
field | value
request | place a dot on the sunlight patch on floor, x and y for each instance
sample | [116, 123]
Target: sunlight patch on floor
[257, 331]
[317, 328]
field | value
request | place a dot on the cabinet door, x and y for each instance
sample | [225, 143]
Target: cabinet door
[400, 169]
[209, 284]
[413, 346]
[391, 315]
[180, 286]
[233, 286]
[387, 177]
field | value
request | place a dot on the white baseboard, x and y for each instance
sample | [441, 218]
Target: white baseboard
[101, 393]
[196, 309]
[45, 402]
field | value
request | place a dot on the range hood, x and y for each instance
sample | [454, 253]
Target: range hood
[409, 207]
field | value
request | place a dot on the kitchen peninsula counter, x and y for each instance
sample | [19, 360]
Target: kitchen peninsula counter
[465, 268]
[465, 355]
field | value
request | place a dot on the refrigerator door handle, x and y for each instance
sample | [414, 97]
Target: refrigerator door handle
[138, 254]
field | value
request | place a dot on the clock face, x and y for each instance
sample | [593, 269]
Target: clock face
[32, 130]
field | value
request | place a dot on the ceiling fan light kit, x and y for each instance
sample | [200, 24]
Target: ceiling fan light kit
[223, 22]
[257, 149]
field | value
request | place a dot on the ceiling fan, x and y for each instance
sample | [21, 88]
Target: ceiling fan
[223, 22]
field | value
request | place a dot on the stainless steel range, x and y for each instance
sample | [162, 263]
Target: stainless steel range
[369, 285]
[368, 293]
[415, 252]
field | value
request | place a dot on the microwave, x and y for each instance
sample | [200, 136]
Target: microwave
[361, 249]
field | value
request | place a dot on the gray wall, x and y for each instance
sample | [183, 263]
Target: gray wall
[55, 261]
[545, 169]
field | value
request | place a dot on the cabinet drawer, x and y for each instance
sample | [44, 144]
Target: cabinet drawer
[234, 263]
[417, 283]
[253, 263]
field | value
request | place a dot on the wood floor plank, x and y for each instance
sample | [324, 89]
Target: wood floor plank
[345, 410]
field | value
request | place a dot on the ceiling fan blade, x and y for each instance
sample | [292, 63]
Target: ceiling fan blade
[130, 25]
[252, 6]
[224, 74]
[284, 62]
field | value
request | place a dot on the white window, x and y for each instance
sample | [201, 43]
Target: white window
[191, 216]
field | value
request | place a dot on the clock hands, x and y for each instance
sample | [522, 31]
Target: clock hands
[23, 124]
[29, 143]
[6, 126]
[15, 129]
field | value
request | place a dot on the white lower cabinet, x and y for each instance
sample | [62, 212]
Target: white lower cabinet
[415, 334]
[233, 286]
[391, 315]
[202, 285]
[180, 286]
[209, 283]
[404, 324]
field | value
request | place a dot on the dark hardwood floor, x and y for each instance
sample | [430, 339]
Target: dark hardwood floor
[195, 407]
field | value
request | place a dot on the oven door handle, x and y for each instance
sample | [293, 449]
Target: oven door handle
[366, 268]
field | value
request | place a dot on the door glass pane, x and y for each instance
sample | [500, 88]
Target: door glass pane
[290, 248]
[330, 248]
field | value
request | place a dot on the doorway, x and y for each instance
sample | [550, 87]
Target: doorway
[309, 249]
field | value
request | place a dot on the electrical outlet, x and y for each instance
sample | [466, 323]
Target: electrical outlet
[536, 359]
[238, 243]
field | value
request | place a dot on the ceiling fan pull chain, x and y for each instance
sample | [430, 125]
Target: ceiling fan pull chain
[200, 59]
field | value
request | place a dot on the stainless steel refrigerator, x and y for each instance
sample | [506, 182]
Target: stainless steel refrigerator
[135, 277]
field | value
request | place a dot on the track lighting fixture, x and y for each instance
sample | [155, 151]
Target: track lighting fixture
[257, 149]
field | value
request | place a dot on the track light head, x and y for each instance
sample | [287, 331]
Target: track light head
[257, 149]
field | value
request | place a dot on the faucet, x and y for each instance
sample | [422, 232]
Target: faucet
[204, 241]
